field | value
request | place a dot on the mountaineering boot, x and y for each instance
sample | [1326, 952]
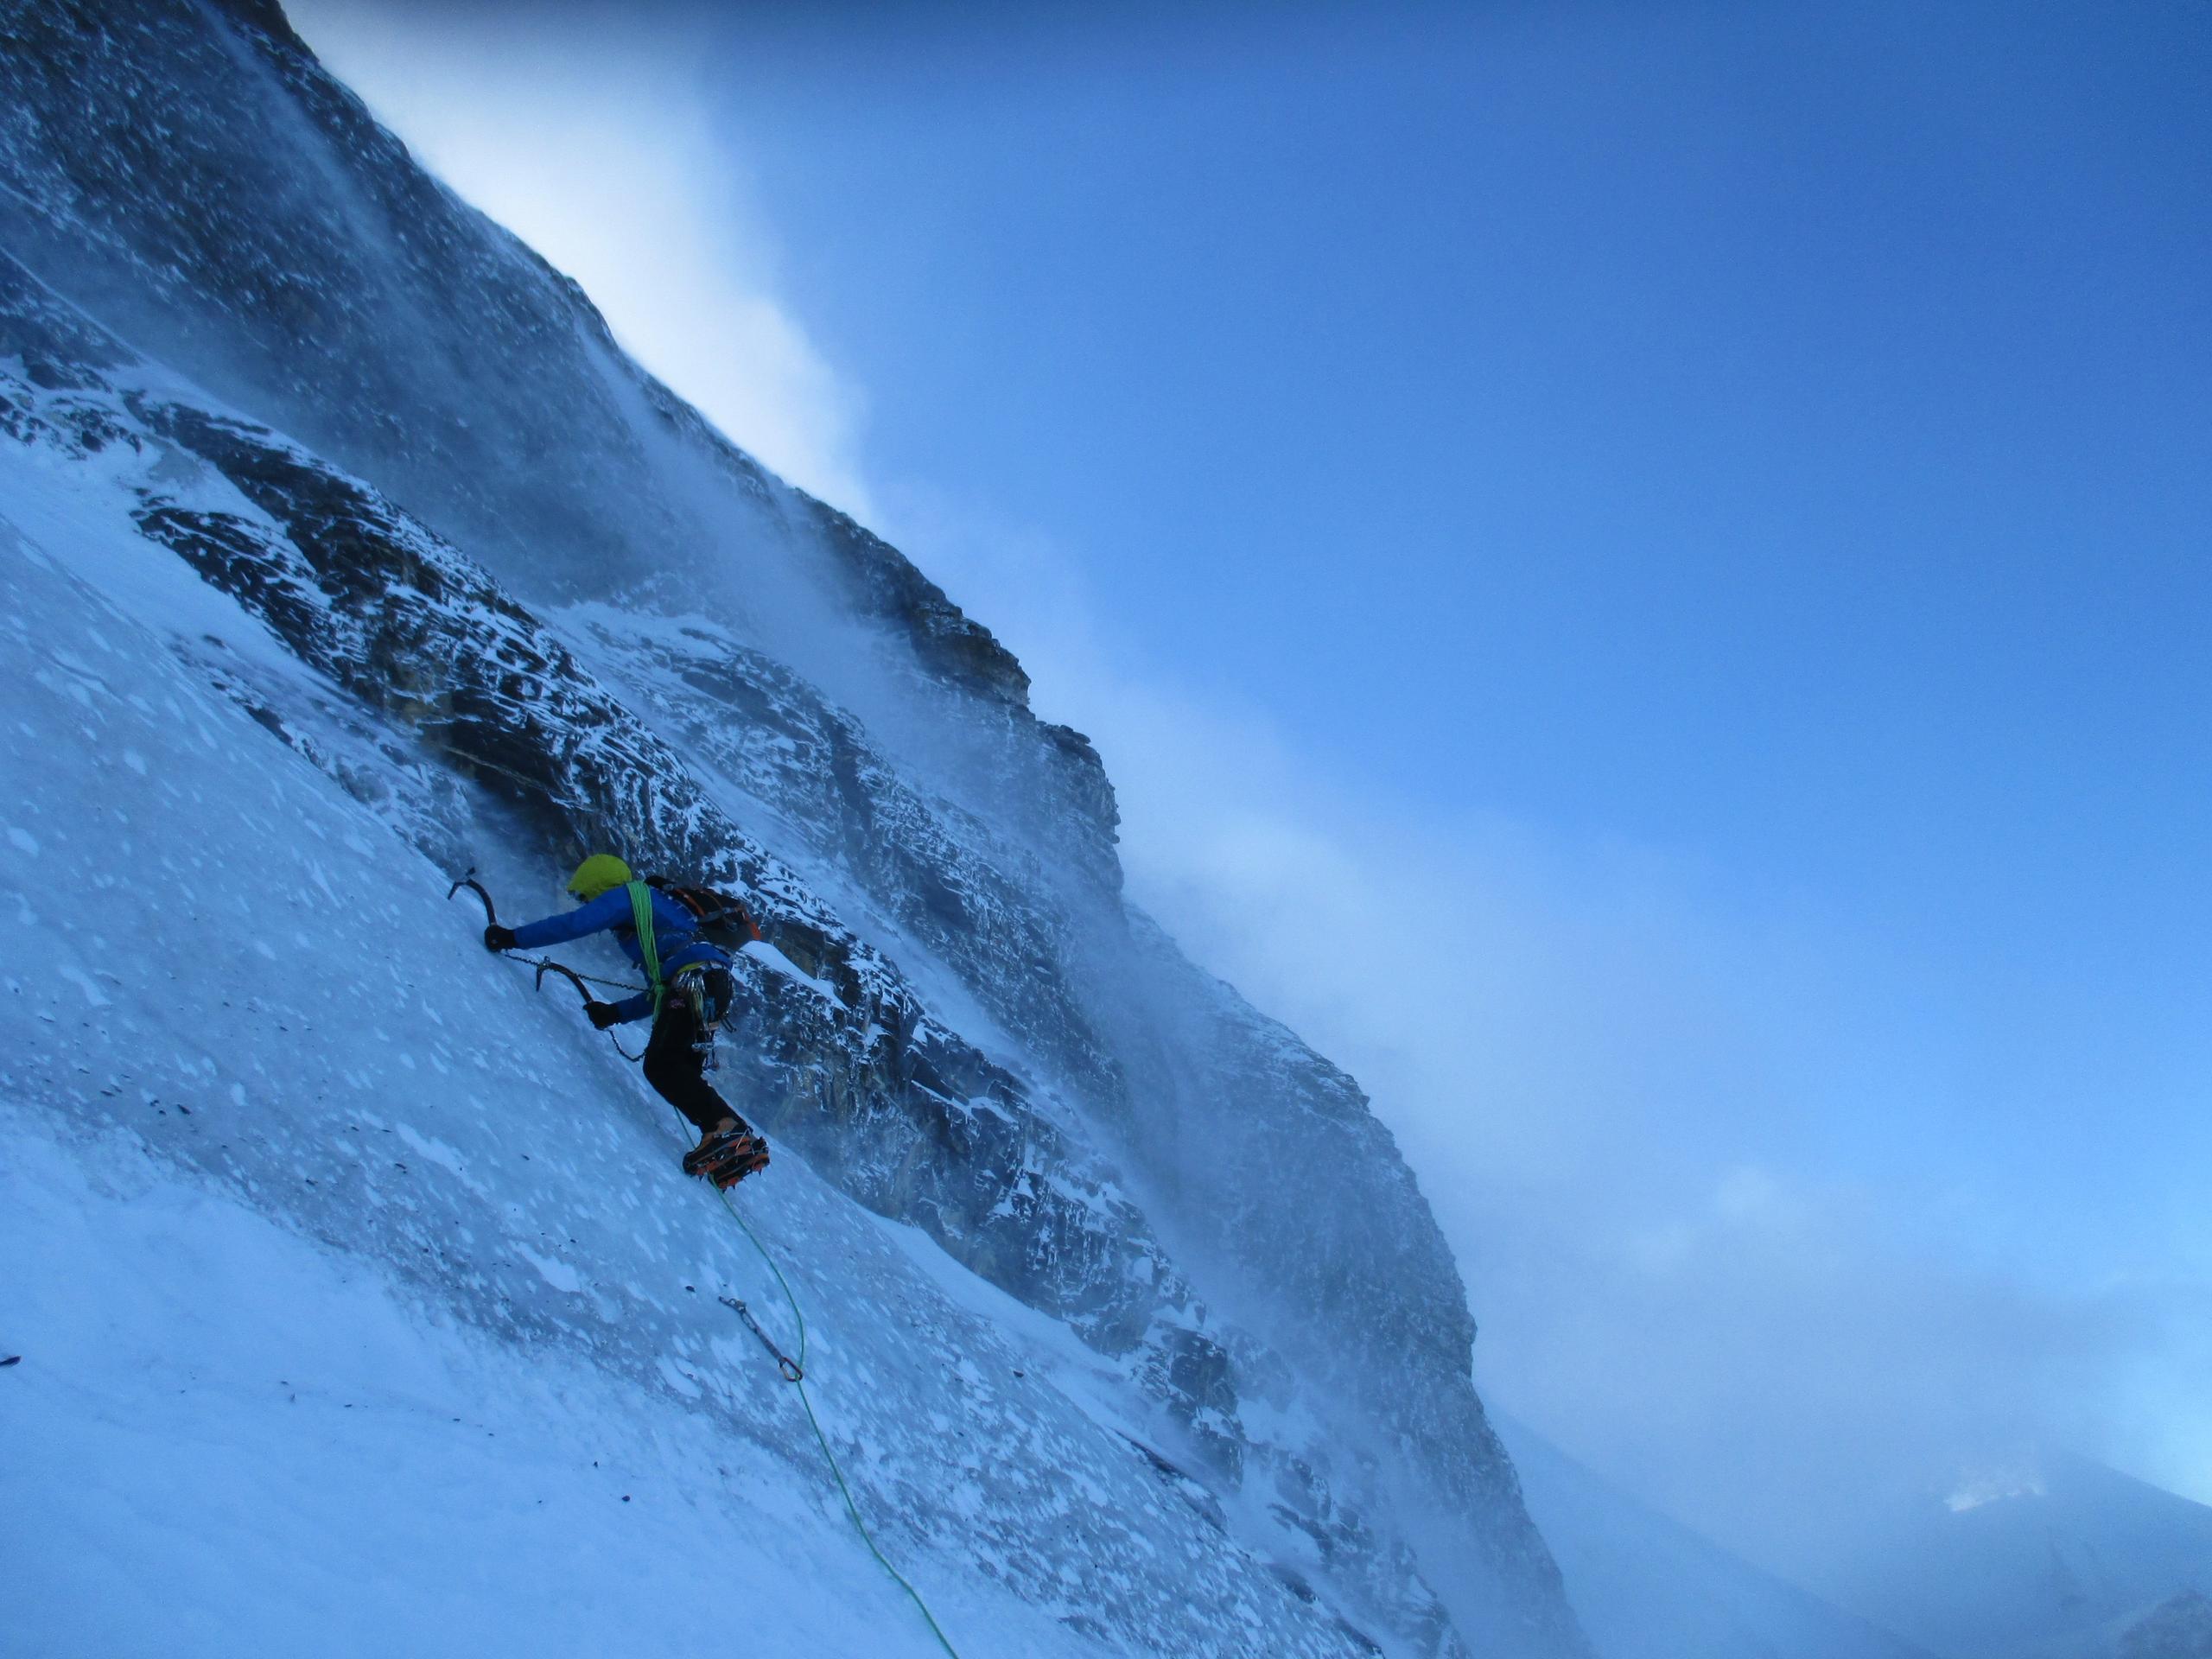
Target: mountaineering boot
[748, 1157]
[711, 1142]
[720, 1151]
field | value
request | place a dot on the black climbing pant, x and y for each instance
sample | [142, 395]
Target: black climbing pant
[675, 1065]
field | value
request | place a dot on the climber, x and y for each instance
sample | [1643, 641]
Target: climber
[689, 989]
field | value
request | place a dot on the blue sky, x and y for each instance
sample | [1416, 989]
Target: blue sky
[1678, 532]
[1783, 440]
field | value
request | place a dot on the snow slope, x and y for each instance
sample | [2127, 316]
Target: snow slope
[279, 1127]
[229, 1440]
[2054, 1559]
[1647, 1587]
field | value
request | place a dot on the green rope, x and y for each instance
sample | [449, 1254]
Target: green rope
[822, 1439]
[641, 918]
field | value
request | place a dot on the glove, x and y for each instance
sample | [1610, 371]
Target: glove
[602, 1014]
[498, 938]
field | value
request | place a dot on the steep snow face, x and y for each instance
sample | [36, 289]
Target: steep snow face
[238, 1011]
[225, 1439]
[954, 1023]
[1647, 1587]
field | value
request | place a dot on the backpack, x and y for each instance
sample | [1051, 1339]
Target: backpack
[716, 917]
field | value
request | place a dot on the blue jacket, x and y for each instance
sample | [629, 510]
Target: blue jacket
[674, 938]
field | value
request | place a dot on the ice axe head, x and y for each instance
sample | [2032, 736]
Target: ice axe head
[468, 880]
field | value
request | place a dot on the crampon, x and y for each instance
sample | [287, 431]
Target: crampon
[727, 1157]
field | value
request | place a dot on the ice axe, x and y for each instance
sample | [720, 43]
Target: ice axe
[545, 965]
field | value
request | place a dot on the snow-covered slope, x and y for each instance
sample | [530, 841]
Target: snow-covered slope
[1647, 1588]
[1105, 1362]
[225, 1439]
[2053, 1558]
[285, 1143]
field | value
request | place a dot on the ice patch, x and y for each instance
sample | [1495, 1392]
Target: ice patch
[83, 981]
[435, 1152]
[553, 1271]
[776, 962]
[676, 1379]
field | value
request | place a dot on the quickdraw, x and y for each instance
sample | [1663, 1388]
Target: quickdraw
[785, 1363]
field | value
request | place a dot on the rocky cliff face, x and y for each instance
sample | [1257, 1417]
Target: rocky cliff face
[411, 452]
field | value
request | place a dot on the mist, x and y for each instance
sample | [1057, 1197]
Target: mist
[595, 147]
[1699, 1261]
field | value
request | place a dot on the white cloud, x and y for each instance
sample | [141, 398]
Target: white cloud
[596, 148]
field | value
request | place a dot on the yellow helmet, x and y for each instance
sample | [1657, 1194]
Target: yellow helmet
[597, 875]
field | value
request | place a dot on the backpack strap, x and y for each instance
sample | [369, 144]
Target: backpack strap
[641, 917]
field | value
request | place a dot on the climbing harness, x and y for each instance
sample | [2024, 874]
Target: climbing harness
[705, 988]
[708, 991]
[794, 1372]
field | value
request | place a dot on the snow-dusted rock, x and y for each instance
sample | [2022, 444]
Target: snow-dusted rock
[2181, 1629]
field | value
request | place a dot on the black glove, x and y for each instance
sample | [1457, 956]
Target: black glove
[498, 938]
[602, 1014]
